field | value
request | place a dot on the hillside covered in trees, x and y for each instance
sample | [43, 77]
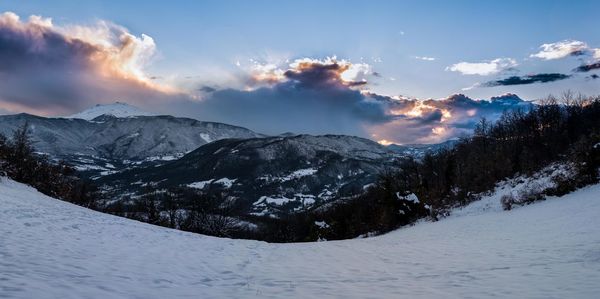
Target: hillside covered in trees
[20, 162]
[565, 130]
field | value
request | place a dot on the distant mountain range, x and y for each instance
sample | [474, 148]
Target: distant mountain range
[125, 150]
[107, 142]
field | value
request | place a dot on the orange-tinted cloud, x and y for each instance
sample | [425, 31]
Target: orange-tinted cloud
[309, 71]
[49, 69]
[432, 121]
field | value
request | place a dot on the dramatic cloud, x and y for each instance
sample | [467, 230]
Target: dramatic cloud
[483, 68]
[562, 49]
[323, 96]
[264, 73]
[306, 96]
[51, 69]
[529, 79]
[329, 71]
[432, 121]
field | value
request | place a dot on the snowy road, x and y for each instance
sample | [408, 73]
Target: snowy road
[51, 249]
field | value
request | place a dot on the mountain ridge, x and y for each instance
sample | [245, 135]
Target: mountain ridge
[110, 139]
[117, 109]
[285, 172]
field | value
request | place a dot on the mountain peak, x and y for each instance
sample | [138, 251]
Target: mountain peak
[507, 99]
[507, 95]
[116, 109]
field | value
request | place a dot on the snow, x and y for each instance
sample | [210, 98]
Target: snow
[367, 186]
[307, 199]
[199, 185]
[116, 109]
[298, 174]
[410, 197]
[164, 157]
[321, 224]
[227, 183]
[538, 181]
[273, 200]
[52, 249]
[269, 205]
[85, 167]
[107, 172]
[206, 137]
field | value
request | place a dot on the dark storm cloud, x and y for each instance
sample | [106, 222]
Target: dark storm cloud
[529, 79]
[296, 106]
[307, 96]
[320, 75]
[207, 89]
[434, 116]
[27, 59]
[587, 67]
[577, 53]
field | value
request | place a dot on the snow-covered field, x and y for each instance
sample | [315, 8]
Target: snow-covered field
[52, 249]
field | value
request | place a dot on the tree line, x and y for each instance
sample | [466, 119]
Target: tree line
[57, 179]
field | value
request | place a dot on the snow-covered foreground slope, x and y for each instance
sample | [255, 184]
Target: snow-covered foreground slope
[51, 249]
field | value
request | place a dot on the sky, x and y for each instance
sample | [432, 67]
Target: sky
[344, 67]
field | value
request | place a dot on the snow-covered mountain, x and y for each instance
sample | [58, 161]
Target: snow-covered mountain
[108, 142]
[53, 249]
[117, 109]
[509, 99]
[271, 174]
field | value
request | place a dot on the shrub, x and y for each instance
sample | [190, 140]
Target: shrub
[531, 193]
[507, 201]
[562, 185]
